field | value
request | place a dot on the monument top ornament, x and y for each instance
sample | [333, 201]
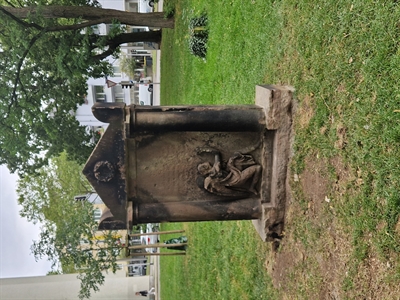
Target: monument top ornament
[195, 163]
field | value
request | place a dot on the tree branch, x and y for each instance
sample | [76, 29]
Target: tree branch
[18, 20]
[108, 52]
[76, 26]
[19, 66]
[55, 28]
[9, 3]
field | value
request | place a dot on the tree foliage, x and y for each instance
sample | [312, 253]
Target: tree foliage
[48, 50]
[69, 233]
[127, 65]
[43, 195]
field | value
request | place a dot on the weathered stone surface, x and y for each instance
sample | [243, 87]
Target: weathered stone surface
[145, 168]
[277, 102]
[196, 163]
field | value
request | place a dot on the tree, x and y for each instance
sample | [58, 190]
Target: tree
[127, 65]
[96, 15]
[43, 195]
[69, 235]
[47, 52]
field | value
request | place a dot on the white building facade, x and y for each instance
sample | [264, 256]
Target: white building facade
[66, 287]
[98, 90]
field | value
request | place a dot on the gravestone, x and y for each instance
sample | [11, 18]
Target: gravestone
[159, 164]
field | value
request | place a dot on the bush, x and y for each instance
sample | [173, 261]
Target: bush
[198, 36]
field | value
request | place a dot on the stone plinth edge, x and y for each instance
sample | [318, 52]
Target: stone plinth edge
[277, 102]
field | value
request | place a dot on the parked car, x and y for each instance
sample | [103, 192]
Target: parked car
[137, 241]
[145, 239]
[152, 238]
[146, 6]
[145, 93]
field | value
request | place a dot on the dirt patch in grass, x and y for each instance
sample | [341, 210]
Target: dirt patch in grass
[305, 112]
[344, 175]
[314, 184]
[314, 254]
[341, 136]
[316, 258]
[281, 264]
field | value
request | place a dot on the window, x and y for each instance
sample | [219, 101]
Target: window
[118, 93]
[136, 44]
[116, 71]
[100, 95]
[132, 7]
[139, 52]
[138, 29]
[97, 214]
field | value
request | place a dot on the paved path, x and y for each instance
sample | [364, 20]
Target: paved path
[156, 80]
[154, 278]
[157, 75]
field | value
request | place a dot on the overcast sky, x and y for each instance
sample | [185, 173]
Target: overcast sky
[16, 234]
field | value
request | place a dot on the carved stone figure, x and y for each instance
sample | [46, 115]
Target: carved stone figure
[240, 176]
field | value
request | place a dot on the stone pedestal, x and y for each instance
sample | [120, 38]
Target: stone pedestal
[277, 102]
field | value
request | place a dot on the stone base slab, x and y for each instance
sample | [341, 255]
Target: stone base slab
[277, 102]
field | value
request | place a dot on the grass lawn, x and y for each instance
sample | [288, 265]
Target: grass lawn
[342, 229]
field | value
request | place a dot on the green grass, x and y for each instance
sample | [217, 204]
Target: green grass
[343, 58]
[234, 62]
[222, 262]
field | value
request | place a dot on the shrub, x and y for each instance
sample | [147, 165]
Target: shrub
[198, 36]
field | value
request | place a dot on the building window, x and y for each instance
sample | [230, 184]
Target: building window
[138, 29]
[136, 44]
[117, 71]
[136, 52]
[100, 95]
[132, 6]
[118, 93]
[97, 214]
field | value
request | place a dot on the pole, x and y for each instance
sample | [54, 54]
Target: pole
[156, 246]
[132, 259]
[160, 253]
[156, 233]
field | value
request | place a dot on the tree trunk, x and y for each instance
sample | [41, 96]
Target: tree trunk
[93, 13]
[144, 36]
[113, 43]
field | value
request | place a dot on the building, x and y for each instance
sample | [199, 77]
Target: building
[98, 89]
[116, 286]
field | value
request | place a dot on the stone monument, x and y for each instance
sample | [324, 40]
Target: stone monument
[195, 163]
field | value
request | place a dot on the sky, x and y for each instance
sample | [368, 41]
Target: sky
[16, 234]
